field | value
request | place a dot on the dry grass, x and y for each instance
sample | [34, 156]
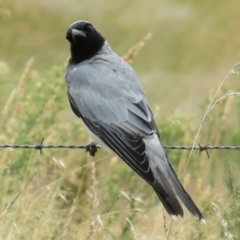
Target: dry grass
[62, 201]
[65, 194]
[132, 52]
[223, 222]
[225, 114]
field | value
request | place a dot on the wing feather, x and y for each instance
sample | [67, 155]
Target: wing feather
[113, 106]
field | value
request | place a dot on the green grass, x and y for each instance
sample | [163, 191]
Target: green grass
[193, 45]
[65, 194]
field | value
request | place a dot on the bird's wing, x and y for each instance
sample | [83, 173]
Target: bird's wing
[113, 106]
[111, 103]
[115, 109]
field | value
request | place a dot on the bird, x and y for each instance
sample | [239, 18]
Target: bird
[105, 93]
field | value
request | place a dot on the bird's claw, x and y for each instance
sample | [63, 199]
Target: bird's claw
[91, 148]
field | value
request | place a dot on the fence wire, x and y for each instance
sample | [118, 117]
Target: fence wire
[40, 146]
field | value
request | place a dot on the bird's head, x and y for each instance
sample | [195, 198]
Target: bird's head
[84, 39]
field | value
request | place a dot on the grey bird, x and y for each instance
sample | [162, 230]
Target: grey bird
[104, 91]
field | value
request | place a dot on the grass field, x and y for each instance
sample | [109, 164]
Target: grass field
[65, 194]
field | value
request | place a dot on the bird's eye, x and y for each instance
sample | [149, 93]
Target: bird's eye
[88, 28]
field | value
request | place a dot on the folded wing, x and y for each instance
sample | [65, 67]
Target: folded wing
[113, 106]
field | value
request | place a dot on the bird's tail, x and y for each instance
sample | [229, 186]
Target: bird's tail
[171, 204]
[167, 184]
[183, 195]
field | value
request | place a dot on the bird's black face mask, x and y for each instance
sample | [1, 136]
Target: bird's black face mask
[84, 40]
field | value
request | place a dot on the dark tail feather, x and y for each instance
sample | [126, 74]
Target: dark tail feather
[171, 204]
[183, 195]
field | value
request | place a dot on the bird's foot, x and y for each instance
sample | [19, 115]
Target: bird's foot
[91, 148]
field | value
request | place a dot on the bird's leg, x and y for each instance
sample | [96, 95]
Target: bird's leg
[91, 148]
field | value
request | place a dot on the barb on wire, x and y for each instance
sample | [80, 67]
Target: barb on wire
[39, 146]
[203, 148]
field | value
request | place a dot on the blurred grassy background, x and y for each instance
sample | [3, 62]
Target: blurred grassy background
[194, 46]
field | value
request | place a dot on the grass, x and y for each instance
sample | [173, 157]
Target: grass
[193, 44]
[66, 194]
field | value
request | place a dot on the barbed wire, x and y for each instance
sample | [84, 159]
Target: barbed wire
[39, 146]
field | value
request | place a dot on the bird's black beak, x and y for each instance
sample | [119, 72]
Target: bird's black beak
[77, 33]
